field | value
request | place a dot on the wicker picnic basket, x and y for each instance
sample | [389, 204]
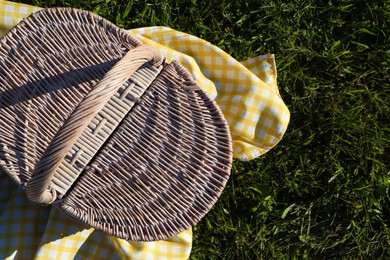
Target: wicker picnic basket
[99, 125]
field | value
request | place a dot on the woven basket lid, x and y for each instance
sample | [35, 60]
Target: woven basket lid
[99, 125]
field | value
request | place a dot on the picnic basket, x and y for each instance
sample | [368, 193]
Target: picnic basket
[99, 125]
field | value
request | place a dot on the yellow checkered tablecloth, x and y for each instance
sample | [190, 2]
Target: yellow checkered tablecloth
[248, 96]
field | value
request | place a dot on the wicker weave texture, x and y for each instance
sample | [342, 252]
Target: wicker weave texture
[48, 64]
[101, 126]
[38, 189]
[163, 168]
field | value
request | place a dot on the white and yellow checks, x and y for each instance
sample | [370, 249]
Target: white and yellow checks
[246, 92]
[30, 231]
[13, 13]
[248, 96]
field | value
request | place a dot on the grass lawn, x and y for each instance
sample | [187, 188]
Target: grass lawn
[324, 191]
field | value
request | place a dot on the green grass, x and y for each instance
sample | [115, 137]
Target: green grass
[324, 191]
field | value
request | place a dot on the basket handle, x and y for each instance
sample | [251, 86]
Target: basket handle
[37, 188]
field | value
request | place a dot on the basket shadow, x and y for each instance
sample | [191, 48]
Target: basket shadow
[66, 80]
